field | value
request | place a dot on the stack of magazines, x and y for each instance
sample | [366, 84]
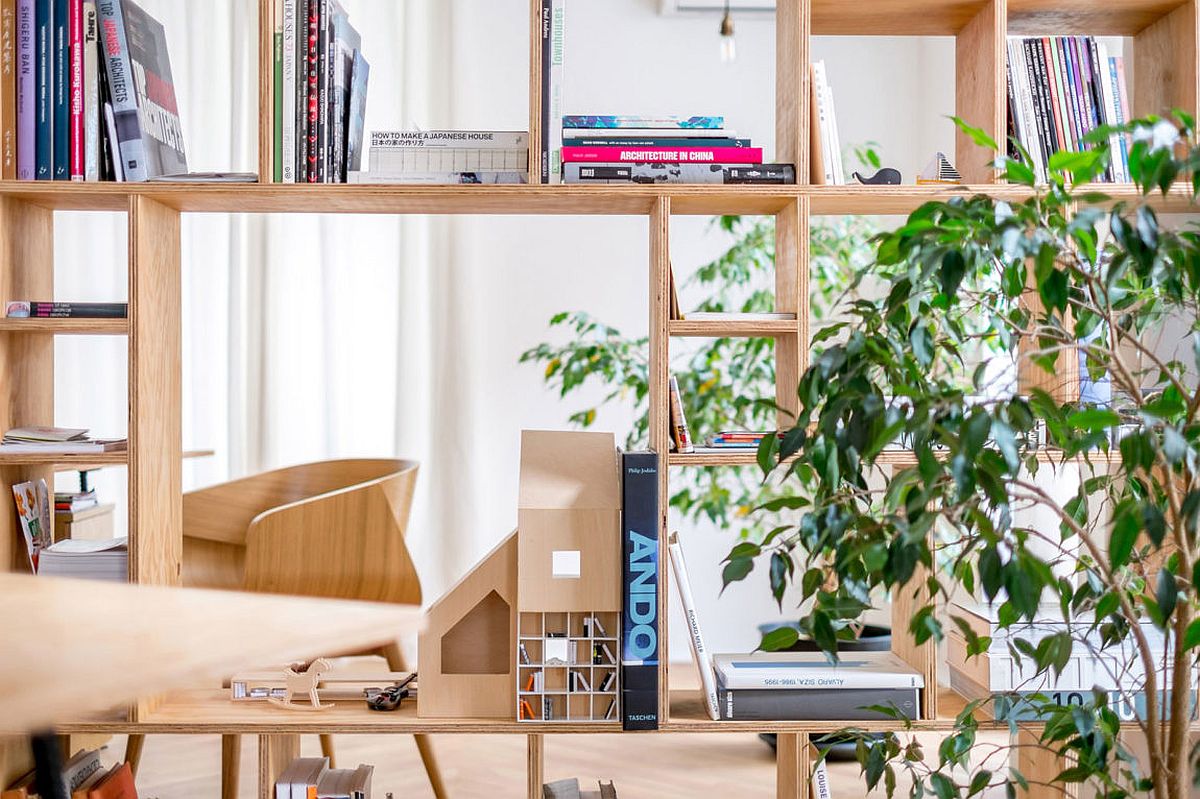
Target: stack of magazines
[57, 441]
[87, 560]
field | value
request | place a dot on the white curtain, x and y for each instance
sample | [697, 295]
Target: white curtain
[305, 337]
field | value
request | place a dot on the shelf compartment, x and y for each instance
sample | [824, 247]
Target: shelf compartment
[1069, 17]
[66, 327]
[733, 326]
[893, 17]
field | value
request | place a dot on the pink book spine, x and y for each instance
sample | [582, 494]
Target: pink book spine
[75, 32]
[664, 155]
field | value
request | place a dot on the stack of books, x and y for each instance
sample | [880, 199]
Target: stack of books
[26, 309]
[826, 159]
[320, 90]
[87, 560]
[57, 441]
[312, 777]
[74, 501]
[781, 686]
[1060, 88]
[446, 157]
[735, 439]
[637, 149]
[79, 105]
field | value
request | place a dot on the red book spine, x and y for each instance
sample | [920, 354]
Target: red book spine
[664, 155]
[75, 34]
[314, 94]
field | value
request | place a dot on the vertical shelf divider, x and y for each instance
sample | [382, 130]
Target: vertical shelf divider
[791, 296]
[275, 753]
[981, 88]
[27, 362]
[793, 107]
[660, 416]
[536, 764]
[793, 765]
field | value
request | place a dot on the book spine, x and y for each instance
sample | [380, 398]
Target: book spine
[26, 79]
[554, 132]
[656, 141]
[639, 592]
[287, 144]
[623, 121]
[107, 310]
[91, 92]
[277, 95]
[1061, 109]
[448, 139]
[663, 155]
[1070, 123]
[766, 677]
[1039, 109]
[1108, 104]
[1033, 141]
[708, 174]
[699, 651]
[1117, 65]
[1099, 72]
[312, 92]
[1077, 107]
[61, 76]
[128, 149]
[76, 140]
[8, 89]
[679, 426]
[322, 122]
[820, 782]
[43, 32]
[1053, 88]
[544, 155]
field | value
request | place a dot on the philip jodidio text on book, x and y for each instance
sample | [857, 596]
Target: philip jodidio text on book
[639, 536]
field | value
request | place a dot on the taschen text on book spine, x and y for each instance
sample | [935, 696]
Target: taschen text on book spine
[639, 592]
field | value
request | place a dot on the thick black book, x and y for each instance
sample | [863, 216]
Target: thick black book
[816, 704]
[639, 590]
[68, 310]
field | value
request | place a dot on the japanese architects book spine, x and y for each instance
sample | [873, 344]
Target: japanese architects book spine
[639, 572]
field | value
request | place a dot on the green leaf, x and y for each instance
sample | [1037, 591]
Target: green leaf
[954, 268]
[1053, 290]
[976, 135]
[1094, 420]
[1166, 594]
[1191, 638]
[1124, 533]
[779, 639]
[735, 570]
[780, 567]
[922, 344]
[943, 788]
[1154, 522]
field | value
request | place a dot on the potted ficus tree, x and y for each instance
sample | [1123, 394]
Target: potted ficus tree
[1061, 278]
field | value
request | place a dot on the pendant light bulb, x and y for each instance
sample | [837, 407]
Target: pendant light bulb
[728, 44]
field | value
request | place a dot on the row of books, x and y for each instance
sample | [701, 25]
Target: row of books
[1061, 88]
[312, 778]
[84, 777]
[25, 309]
[58, 441]
[90, 94]
[446, 157]
[320, 92]
[826, 168]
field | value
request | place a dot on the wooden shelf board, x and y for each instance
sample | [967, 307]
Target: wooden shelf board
[64, 327]
[733, 457]
[903, 200]
[897, 457]
[893, 17]
[733, 327]
[1059, 17]
[100, 459]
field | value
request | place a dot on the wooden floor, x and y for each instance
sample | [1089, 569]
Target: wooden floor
[493, 766]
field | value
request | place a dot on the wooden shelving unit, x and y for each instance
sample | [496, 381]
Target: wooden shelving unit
[1166, 38]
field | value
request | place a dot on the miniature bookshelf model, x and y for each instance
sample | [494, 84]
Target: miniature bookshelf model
[1166, 35]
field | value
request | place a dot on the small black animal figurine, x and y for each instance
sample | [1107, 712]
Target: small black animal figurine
[884, 177]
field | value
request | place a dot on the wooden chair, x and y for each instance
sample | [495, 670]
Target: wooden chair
[329, 529]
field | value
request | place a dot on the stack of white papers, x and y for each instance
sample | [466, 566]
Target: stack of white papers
[88, 560]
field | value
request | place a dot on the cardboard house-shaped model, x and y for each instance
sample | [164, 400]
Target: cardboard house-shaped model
[532, 632]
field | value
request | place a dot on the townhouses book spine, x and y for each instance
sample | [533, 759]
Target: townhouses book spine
[91, 92]
[557, 51]
[61, 77]
[76, 134]
[639, 592]
[26, 81]
[8, 89]
[44, 147]
[288, 90]
[664, 155]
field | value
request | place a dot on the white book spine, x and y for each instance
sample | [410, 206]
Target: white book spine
[450, 139]
[699, 652]
[839, 172]
[289, 91]
[91, 92]
[786, 677]
[820, 782]
[1021, 78]
[823, 120]
[557, 47]
[1110, 113]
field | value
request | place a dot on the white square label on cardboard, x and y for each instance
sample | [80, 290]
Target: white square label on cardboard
[565, 564]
